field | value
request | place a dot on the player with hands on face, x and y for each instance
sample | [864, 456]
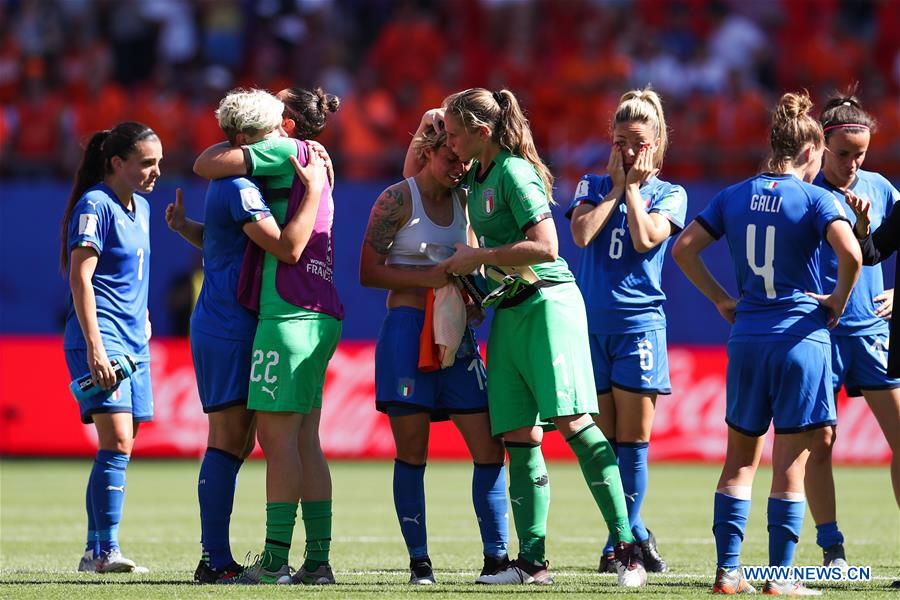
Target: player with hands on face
[624, 221]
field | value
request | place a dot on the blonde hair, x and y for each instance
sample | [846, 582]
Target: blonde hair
[792, 129]
[429, 139]
[249, 112]
[644, 106]
[501, 113]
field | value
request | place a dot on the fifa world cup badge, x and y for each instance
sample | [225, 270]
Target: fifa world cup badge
[488, 197]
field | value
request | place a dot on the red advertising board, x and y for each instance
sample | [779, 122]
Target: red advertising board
[39, 417]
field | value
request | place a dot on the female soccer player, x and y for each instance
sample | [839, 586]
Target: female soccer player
[624, 221]
[299, 327]
[538, 345]
[221, 329]
[106, 251]
[779, 354]
[860, 341]
[427, 208]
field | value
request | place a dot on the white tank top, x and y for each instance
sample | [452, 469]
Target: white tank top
[406, 249]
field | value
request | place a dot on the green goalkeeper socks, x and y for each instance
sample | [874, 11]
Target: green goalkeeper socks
[529, 493]
[280, 520]
[317, 522]
[598, 465]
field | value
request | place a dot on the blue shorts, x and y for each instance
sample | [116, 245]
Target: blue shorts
[132, 395]
[860, 363]
[634, 362]
[401, 389]
[223, 370]
[785, 382]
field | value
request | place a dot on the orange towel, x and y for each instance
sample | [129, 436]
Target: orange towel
[429, 356]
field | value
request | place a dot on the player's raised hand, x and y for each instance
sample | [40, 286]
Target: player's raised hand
[313, 174]
[175, 218]
[860, 207]
[642, 170]
[886, 308]
[433, 117]
[615, 167]
[317, 148]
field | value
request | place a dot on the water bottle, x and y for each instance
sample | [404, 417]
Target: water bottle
[84, 386]
[436, 252]
[473, 283]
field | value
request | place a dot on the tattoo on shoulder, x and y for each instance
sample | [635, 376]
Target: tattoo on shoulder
[388, 216]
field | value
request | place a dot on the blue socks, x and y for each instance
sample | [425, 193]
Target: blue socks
[633, 469]
[785, 522]
[827, 535]
[409, 502]
[729, 522]
[107, 495]
[489, 500]
[215, 490]
[632, 459]
[93, 540]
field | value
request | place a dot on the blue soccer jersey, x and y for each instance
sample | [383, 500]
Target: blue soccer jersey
[231, 203]
[121, 240]
[622, 287]
[859, 317]
[775, 225]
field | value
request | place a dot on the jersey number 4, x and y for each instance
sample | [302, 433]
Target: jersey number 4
[767, 270]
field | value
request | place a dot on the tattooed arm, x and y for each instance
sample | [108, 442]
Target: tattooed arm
[392, 211]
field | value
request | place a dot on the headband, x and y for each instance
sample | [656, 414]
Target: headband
[844, 125]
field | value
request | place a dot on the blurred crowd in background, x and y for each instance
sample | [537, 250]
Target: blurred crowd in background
[70, 67]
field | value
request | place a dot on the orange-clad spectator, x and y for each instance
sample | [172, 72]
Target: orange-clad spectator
[740, 116]
[884, 149]
[104, 106]
[887, 44]
[691, 132]
[367, 120]
[37, 142]
[162, 108]
[408, 47]
[86, 60]
[205, 130]
[10, 65]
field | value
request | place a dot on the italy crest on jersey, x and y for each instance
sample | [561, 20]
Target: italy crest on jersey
[488, 197]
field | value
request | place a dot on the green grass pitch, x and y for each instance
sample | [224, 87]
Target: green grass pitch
[42, 530]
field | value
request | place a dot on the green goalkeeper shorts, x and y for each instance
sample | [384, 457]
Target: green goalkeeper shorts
[539, 360]
[289, 360]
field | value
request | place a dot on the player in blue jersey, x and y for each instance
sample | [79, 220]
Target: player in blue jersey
[860, 341]
[779, 351]
[106, 252]
[427, 208]
[221, 329]
[624, 220]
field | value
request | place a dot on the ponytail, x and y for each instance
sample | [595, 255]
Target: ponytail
[308, 109]
[502, 114]
[90, 172]
[792, 129]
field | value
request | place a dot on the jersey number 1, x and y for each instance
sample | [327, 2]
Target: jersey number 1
[767, 270]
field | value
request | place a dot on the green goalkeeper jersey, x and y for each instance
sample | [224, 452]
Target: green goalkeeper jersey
[505, 202]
